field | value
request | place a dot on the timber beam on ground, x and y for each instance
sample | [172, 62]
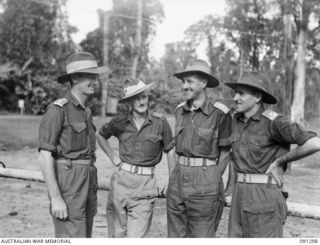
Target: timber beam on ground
[294, 209]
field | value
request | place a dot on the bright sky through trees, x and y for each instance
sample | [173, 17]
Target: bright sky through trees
[179, 14]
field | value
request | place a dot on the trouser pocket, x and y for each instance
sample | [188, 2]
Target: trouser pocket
[262, 221]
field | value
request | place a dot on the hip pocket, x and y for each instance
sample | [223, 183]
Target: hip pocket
[261, 221]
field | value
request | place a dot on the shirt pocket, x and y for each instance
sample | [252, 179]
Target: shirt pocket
[79, 136]
[153, 145]
[206, 141]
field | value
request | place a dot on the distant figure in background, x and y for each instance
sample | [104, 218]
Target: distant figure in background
[195, 196]
[260, 142]
[67, 150]
[21, 106]
[143, 136]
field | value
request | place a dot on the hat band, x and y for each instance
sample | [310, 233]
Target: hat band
[131, 89]
[82, 64]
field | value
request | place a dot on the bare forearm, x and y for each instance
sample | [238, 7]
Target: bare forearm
[309, 147]
[47, 168]
[171, 157]
[224, 159]
[105, 146]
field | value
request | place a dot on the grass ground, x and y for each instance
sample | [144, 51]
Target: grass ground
[18, 142]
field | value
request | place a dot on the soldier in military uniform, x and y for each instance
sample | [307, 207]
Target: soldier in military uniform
[67, 150]
[195, 197]
[260, 143]
[142, 137]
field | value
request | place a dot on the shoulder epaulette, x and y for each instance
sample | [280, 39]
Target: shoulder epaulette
[60, 102]
[181, 104]
[270, 114]
[158, 115]
[221, 107]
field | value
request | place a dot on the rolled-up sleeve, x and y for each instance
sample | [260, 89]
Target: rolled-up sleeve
[286, 132]
[109, 129]
[225, 131]
[168, 141]
[50, 129]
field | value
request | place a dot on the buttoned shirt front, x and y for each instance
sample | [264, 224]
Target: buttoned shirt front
[200, 133]
[259, 141]
[140, 147]
[68, 130]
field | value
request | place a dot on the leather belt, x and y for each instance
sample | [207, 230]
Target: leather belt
[195, 162]
[255, 178]
[137, 169]
[76, 161]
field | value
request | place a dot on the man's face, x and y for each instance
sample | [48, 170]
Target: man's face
[245, 99]
[139, 103]
[193, 86]
[86, 83]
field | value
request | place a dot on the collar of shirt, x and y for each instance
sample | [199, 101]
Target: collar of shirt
[255, 117]
[204, 107]
[147, 121]
[73, 100]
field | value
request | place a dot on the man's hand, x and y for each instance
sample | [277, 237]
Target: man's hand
[59, 208]
[162, 190]
[277, 172]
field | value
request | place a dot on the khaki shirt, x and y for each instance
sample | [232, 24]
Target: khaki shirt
[200, 133]
[67, 130]
[140, 147]
[262, 139]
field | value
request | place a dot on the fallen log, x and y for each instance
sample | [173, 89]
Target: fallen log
[37, 176]
[294, 209]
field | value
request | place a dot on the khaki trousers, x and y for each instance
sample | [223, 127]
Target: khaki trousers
[130, 204]
[257, 210]
[78, 186]
[195, 201]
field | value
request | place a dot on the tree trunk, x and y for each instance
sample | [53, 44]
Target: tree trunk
[297, 108]
[104, 81]
[287, 24]
[138, 40]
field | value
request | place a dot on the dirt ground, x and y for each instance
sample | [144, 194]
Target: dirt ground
[24, 205]
[24, 213]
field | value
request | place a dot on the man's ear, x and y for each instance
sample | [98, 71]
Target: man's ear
[259, 97]
[204, 83]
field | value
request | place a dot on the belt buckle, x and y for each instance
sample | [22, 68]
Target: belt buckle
[204, 163]
[188, 161]
[244, 178]
[135, 169]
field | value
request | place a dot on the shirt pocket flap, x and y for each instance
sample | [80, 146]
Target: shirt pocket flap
[79, 127]
[207, 133]
[259, 140]
[153, 138]
[259, 209]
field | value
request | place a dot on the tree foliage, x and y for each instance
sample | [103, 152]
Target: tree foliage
[30, 40]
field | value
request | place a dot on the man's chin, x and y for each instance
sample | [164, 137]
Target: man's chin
[142, 111]
[238, 110]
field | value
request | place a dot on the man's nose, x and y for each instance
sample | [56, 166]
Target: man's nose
[236, 97]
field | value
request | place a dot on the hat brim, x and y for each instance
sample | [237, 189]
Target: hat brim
[98, 70]
[147, 87]
[267, 97]
[212, 81]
